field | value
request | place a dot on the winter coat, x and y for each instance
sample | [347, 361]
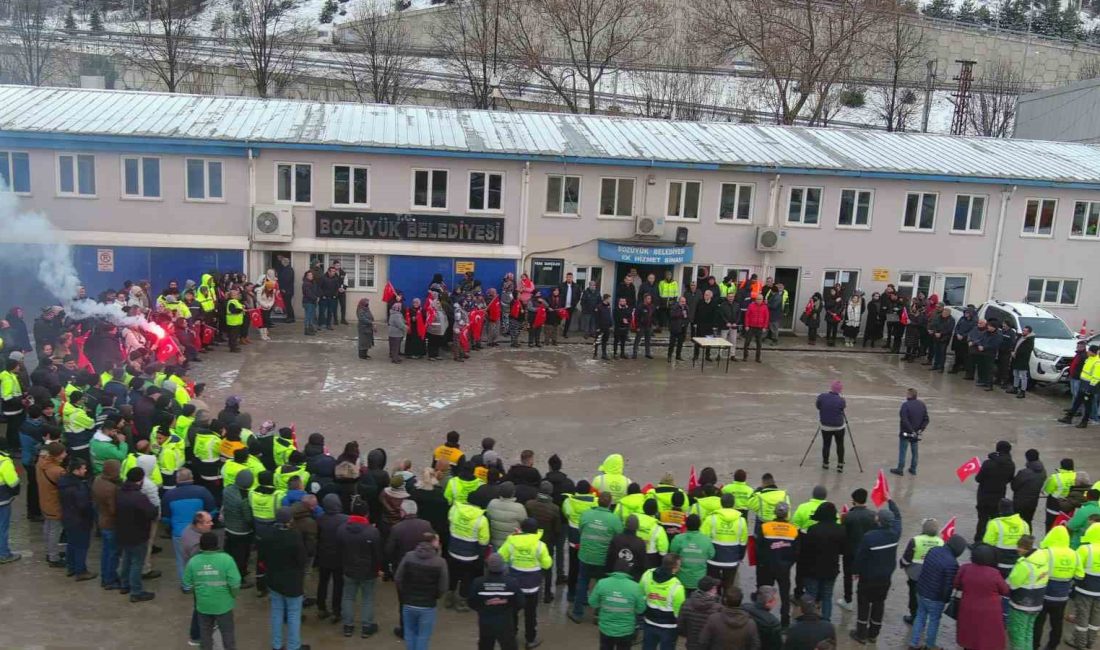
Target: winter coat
[365, 328]
[360, 548]
[729, 629]
[643, 316]
[1021, 354]
[48, 473]
[329, 553]
[728, 312]
[285, 551]
[629, 547]
[422, 577]
[1026, 486]
[693, 300]
[432, 507]
[505, 516]
[404, 537]
[830, 409]
[562, 485]
[822, 545]
[937, 574]
[373, 481]
[707, 318]
[391, 507]
[548, 516]
[104, 493]
[767, 626]
[993, 478]
[757, 316]
[981, 617]
[807, 631]
[678, 318]
[590, 299]
[913, 416]
[694, 614]
[775, 305]
[134, 514]
[304, 523]
[397, 327]
[310, 293]
[877, 555]
[76, 503]
[236, 510]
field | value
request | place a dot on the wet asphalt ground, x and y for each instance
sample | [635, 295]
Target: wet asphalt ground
[661, 417]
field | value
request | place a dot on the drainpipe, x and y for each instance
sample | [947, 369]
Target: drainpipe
[525, 196]
[773, 207]
[1006, 197]
[251, 206]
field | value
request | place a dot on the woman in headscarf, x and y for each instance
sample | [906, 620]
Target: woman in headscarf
[873, 330]
[414, 341]
[366, 327]
[396, 330]
[526, 288]
[981, 616]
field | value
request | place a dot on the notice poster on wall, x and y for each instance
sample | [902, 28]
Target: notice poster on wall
[105, 260]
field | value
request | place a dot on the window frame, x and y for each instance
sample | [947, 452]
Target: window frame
[431, 178]
[736, 221]
[683, 201]
[870, 208]
[913, 285]
[920, 202]
[970, 214]
[469, 185]
[10, 154]
[1038, 216]
[802, 212]
[293, 182]
[633, 196]
[942, 282]
[75, 194]
[1088, 209]
[140, 196]
[561, 197]
[355, 276]
[1061, 286]
[205, 180]
[352, 167]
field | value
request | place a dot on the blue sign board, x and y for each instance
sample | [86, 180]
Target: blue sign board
[640, 254]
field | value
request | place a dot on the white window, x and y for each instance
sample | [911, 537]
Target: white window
[954, 290]
[804, 206]
[204, 180]
[15, 172]
[735, 204]
[140, 177]
[76, 174]
[969, 214]
[855, 209]
[486, 191]
[1086, 220]
[294, 183]
[683, 199]
[430, 189]
[1052, 291]
[911, 283]
[563, 194]
[616, 197]
[350, 185]
[1039, 218]
[920, 212]
[359, 269]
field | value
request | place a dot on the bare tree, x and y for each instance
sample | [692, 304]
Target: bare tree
[33, 55]
[900, 48]
[164, 42]
[992, 108]
[267, 43]
[803, 47]
[673, 87]
[571, 43]
[468, 35]
[376, 60]
[1089, 68]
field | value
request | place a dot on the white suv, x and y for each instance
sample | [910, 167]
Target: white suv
[1055, 342]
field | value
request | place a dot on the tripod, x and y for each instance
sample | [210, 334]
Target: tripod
[851, 436]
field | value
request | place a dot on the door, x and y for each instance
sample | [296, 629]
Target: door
[848, 279]
[696, 273]
[910, 283]
[788, 277]
[585, 274]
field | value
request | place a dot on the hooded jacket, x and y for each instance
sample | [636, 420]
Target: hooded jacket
[285, 551]
[729, 629]
[877, 555]
[612, 480]
[822, 545]
[48, 474]
[993, 478]
[179, 505]
[937, 574]
[360, 548]
[236, 510]
[104, 494]
[373, 481]
[404, 538]
[304, 523]
[505, 516]
[807, 631]
[1026, 486]
[422, 576]
[329, 554]
[76, 503]
[548, 516]
[134, 514]
[694, 614]
[767, 626]
[1061, 562]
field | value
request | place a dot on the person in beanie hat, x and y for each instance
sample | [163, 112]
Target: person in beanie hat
[548, 515]
[497, 599]
[284, 552]
[830, 408]
[934, 585]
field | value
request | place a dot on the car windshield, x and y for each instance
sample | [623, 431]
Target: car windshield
[1047, 328]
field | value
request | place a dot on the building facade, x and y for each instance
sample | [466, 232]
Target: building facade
[168, 186]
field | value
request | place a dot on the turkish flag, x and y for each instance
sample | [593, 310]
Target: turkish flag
[1061, 520]
[255, 318]
[968, 469]
[82, 361]
[540, 318]
[693, 480]
[464, 339]
[280, 302]
[844, 509]
[904, 316]
[477, 322]
[880, 494]
[563, 313]
[494, 310]
[750, 552]
[647, 488]
[633, 322]
[421, 326]
[948, 529]
[388, 293]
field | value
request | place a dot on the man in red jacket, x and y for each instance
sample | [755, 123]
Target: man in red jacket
[756, 323]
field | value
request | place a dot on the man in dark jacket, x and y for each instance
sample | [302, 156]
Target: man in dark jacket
[627, 546]
[496, 597]
[330, 560]
[809, 628]
[960, 342]
[134, 516]
[622, 315]
[331, 284]
[319, 463]
[913, 417]
[940, 328]
[373, 481]
[857, 521]
[985, 345]
[421, 580]
[548, 515]
[562, 485]
[403, 539]
[677, 328]
[284, 551]
[767, 625]
[590, 300]
[831, 419]
[993, 480]
[284, 273]
[819, 553]
[644, 320]
[361, 554]
[937, 576]
[697, 609]
[1026, 486]
[525, 477]
[875, 559]
[570, 295]
[1020, 362]
[77, 517]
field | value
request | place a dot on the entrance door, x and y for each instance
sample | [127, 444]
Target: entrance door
[696, 273]
[848, 279]
[788, 277]
[910, 283]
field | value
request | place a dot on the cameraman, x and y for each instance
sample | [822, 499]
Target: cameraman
[914, 420]
[830, 408]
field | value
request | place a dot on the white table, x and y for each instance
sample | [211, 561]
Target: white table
[708, 343]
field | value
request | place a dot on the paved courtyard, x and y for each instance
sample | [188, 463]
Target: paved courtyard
[558, 400]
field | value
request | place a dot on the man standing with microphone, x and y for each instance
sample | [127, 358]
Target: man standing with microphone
[914, 420]
[830, 408]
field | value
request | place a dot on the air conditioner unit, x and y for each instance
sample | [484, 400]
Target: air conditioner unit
[272, 223]
[649, 227]
[770, 240]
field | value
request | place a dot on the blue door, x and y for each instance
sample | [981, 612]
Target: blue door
[411, 275]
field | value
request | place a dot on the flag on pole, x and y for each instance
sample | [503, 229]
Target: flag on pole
[1061, 520]
[968, 469]
[880, 494]
[948, 529]
[693, 480]
[388, 293]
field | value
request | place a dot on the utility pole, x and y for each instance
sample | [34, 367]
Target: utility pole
[929, 88]
[962, 96]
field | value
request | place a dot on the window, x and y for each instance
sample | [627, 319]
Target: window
[911, 283]
[359, 269]
[486, 190]
[804, 206]
[1052, 291]
[855, 209]
[847, 279]
[735, 204]
[563, 194]
[1086, 219]
[683, 199]
[1039, 217]
[430, 189]
[204, 180]
[969, 214]
[585, 274]
[294, 183]
[349, 185]
[617, 197]
[141, 178]
[15, 172]
[954, 290]
[920, 212]
[76, 174]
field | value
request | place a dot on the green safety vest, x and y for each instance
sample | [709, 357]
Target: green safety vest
[158, 379]
[130, 462]
[723, 289]
[726, 526]
[231, 319]
[576, 505]
[662, 600]
[615, 484]
[172, 455]
[264, 506]
[205, 293]
[764, 503]
[182, 425]
[704, 506]
[741, 492]
[75, 418]
[207, 447]
[922, 544]
[652, 533]
[282, 478]
[668, 288]
[1028, 582]
[663, 494]
[281, 450]
[1059, 483]
[525, 554]
[458, 490]
[631, 504]
[803, 514]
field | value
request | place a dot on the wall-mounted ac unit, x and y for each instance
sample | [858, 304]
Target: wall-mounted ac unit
[770, 240]
[649, 227]
[273, 223]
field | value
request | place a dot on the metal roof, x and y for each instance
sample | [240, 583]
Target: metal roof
[123, 116]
